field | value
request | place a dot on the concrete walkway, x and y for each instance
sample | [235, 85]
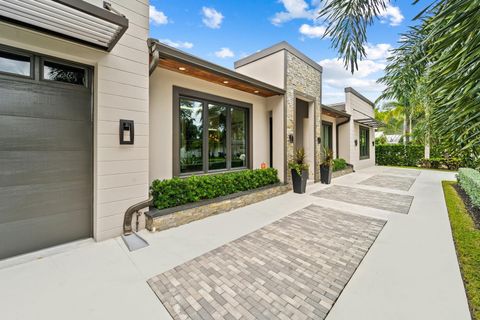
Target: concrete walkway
[410, 272]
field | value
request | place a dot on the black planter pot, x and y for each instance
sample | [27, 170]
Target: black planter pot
[325, 174]
[299, 181]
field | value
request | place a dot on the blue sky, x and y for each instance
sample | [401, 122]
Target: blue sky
[227, 30]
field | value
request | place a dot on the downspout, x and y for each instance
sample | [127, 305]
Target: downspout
[152, 47]
[336, 132]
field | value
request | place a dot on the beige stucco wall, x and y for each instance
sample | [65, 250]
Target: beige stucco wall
[359, 109]
[269, 69]
[161, 122]
[120, 92]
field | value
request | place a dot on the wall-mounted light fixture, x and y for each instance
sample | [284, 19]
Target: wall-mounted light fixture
[127, 131]
[319, 140]
[373, 143]
[356, 142]
[290, 138]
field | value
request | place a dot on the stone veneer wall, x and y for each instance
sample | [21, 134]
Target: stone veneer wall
[304, 81]
[200, 211]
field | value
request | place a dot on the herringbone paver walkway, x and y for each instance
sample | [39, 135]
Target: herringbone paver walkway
[294, 268]
[389, 182]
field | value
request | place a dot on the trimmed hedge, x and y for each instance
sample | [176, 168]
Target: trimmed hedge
[440, 163]
[339, 164]
[178, 191]
[469, 180]
[401, 155]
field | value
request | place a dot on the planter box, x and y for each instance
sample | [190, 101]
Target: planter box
[157, 220]
[343, 172]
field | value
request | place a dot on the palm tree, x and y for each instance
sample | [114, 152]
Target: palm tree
[446, 43]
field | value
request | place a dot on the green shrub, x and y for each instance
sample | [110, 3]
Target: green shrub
[398, 154]
[441, 163]
[469, 180]
[339, 164]
[178, 191]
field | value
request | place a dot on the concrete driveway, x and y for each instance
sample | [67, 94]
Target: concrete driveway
[410, 271]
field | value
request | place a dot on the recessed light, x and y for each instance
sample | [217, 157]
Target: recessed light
[225, 81]
[256, 91]
[182, 68]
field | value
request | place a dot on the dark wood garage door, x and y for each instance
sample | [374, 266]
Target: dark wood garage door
[46, 175]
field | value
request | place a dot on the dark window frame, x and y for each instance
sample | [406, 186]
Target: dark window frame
[86, 70]
[367, 141]
[23, 54]
[205, 98]
[329, 124]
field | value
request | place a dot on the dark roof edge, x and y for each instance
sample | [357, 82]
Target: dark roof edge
[167, 51]
[333, 110]
[359, 95]
[274, 49]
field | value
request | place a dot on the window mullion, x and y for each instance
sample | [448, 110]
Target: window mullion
[205, 136]
[229, 138]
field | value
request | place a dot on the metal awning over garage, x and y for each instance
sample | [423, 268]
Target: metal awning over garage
[74, 20]
[370, 122]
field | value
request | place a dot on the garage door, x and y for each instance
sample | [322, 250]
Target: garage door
[46, 195]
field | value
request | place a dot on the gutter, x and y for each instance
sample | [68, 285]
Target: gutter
[155, 56]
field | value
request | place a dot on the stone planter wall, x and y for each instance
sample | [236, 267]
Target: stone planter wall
[343, 172]
[157, 220]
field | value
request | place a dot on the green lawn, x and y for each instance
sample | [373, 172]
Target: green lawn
[467, 244]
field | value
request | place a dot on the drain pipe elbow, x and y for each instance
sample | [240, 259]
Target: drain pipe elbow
[128, 217]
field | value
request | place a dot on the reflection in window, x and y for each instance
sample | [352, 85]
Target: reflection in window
[364, 143]
[63, 73]
[191, 136]
[217, 137]
[239, 137]
[15, 63]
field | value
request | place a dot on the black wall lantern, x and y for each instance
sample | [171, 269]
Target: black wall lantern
[290, 138]
[319, 140]
[373, 143]
[127, 132]
[356, 142]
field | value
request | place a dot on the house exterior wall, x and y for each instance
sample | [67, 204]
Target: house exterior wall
[359, 109]
[305, 82]
[162, 82]
[269, 69]
[120, 92]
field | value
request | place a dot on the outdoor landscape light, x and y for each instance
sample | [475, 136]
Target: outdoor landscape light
[256, 91]
[226, 81]
[182, 68]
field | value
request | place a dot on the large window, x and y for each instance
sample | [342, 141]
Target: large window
[213, 136]
[15, 64]
[364, 143]
[327, 135]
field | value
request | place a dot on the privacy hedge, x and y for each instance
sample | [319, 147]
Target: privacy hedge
[401, 155]
[178, 191]
[469, 180]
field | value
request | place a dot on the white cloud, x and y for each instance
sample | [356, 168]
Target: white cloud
[393, 15]
[379, 51]
[177, 44]
[212, 18]
[225, 53]
[294, 9]
[312, 31]
[336, 78]
[157, 17]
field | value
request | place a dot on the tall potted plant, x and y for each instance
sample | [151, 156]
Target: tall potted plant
[299, 170]
[326, 167]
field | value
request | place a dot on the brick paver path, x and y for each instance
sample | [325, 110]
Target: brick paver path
[294, 268]
[402, 172]
[368, 198]
[390, 182]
